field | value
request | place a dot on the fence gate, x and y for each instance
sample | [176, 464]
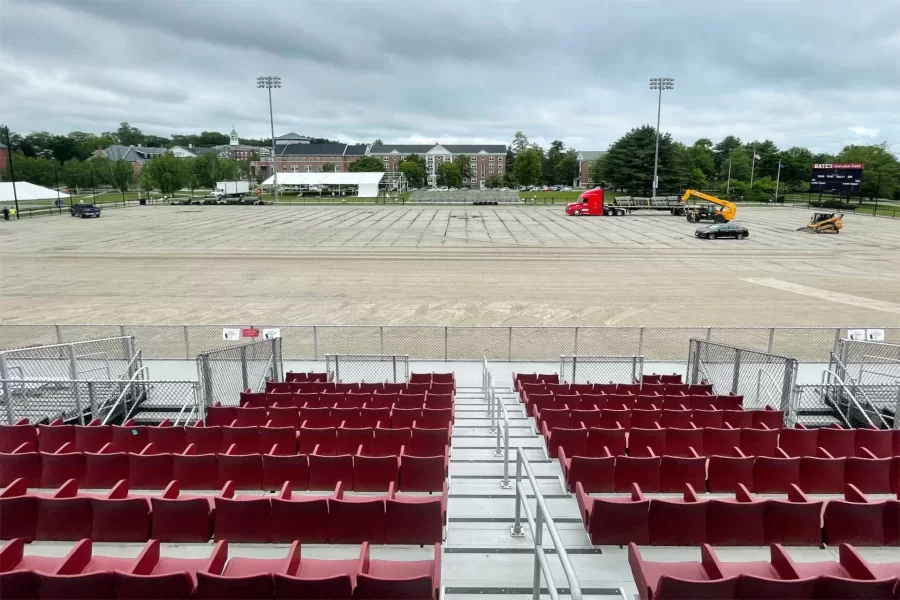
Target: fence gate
[225, 373]
[872, 371]
[761, 378]
[601, 369]
[368, 367]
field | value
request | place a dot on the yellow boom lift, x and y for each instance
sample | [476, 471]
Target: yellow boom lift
[824, 223]
[699, 212]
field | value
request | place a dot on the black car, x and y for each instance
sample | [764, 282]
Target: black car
[721, 230]
[85, 210]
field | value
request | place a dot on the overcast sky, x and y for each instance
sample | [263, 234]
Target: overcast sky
[817, 73]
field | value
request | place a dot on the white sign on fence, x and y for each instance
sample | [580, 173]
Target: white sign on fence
[231, 334]
[857, 335]
[270, 333]
[875, 335]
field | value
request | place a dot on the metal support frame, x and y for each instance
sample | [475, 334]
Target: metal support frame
[73, 375]
[536, 522]
[4, 375]
[736, 376]
[245, 378]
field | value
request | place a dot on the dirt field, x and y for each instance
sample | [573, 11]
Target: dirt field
[427, 265]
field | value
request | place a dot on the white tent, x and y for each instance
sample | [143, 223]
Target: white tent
[367, 182]
[27, 191]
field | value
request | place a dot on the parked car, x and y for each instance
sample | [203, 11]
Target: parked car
[722, 230]
[85, 210]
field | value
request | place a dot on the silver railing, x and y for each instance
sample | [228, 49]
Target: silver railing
[136, 381]
[836, 365]
[499, 419]
[536, 522]
[845, 388]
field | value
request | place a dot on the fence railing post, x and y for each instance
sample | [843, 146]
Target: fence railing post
[59, 339]
[73, 375]
[790, 375]
[205, 376]
[446, 354]
[574, 368]
[771, 340]
[394, 361]
[694, 353]
[315, 343]
[4, 375]
[640, 349]
[634, 368]
[381, 346]
[515, 530]
[337, 367]
[187, 343]
[575, 348]
[92, 398]
[735, 379]
[509, 344]
[245, 379]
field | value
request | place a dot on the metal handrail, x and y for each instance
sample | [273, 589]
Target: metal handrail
[105, 356]
[850, 394]
[759, 375]
[503, 450]
[137, 359]
[121, 398]
[536, 523]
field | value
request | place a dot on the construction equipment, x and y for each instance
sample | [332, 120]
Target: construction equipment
[824, 223]
[699, 212]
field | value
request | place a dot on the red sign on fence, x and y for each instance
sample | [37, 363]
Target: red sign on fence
[250, 332]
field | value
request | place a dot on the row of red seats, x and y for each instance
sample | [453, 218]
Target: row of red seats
[289, 387]
[340, 399]
[327, 416]
[711, 441]
[318, 430]
[779, 579]
[118, 516]
[814, 475]
[80, 574]
[533, 402]
[566, 416]
[742, 521]
[616, 389]
[149, 469]
[301, 376]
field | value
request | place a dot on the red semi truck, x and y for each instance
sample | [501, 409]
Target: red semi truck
[592, 202]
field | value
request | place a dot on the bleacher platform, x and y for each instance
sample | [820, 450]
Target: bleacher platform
[476, 197]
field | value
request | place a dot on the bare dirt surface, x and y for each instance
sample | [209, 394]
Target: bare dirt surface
[443, 265]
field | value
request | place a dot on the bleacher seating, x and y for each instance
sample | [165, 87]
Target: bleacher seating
[488, 196]
[81, 574]
[793, 520]
[850, 577]
[121, 516]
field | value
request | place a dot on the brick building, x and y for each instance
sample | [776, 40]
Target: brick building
[4, 158]
[586, 159]
[309, 158]
[485, 159]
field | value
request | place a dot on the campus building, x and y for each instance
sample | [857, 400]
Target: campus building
[485, 159]
[309, 158]
[586, 159]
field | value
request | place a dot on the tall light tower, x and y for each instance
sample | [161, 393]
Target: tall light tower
[659, 83]
[269, 83]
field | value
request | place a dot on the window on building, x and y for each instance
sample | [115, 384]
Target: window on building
[293, 168]
[492, 159]
[307, 168]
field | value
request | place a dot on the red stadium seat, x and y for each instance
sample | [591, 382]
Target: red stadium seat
[388, 579]
[586, 418]
[357, 400]
[647, 401]
[279, 469]
[643, 471]
[678, 521]
[253, 399]
[250, 417]
[721, 442]
[620, 401]
[105, 468]
[54, 436]
[375, 473]
[388, 442]
[775, 474]
[647, 442]
[284, 437]
[277, 387]
[382, 400]
[535, 401]
[346, 387]
[553, 417]
[795, 521]
[300, 518]
[402, 418]
[129, 437]
[854, 520]
[91, 438]
[870, 474]
[326, 471]
[573, 441]
[729, 402]
[771, 418]
[348, 415]
[167, 439]
[63, 516]
[18, 513]
[275, 399]
[242, 518]
[799, 441]
[877, 441]
[427, 442]
[308, 401]
[375, 417]
[601, 439]
[708, 418]
[847, 578]
[241, 440]
[724, 473]
[615, 520]
[415, 519]
[245, 578]
[675, 471]
[646, 419]
[333, 399]
[349, 440]
[706, 403]
[180, 518]
[410, 400]
[686, 442]
[662, 581]
[737, 522]
[82, 575]
[310, 438]
[284, 417]
[153, 576]
[759, 442]
[424, 474]
[610, 419]
[206, 440]
[434, 400]
[593, 401]
[840, 443]
[61, 466]
[738, 419]
[822, 474]
[595, 474]
[244, 471]
[317, 417]
[196, 471]
[18, 572]
[435, 418]
[118, 517]
[21, 464]
[356, 519]
[774, 579]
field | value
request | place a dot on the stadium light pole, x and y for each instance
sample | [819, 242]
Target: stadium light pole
[269, 83]
[12, 172]
[659, 83]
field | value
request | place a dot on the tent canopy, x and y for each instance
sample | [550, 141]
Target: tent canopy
[27, 191]
[367, 182]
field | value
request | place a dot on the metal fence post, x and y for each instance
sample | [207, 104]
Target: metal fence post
[198, 401]
[245, 379]
[187, 343]
[93, 400]
[337, 367]
[515, 529]
[771, 340]
[206, 379]
[708, 333]
[315, 343]
[445, 343]
[896, 408]
[73, 375]
[837, 339]
[737, 371]
[790, 374]
[634, 367]
[640, 341]
[394, 361]
[694, 357]
[59, 339]
[122, 331]
[381, 351]
[574, 364]
[509, 344]
[575, 349]
[4, 375]
[129, 353]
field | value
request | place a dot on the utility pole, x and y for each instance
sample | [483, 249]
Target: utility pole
[728, 185]
[659, 83]
[269, 83]
[12, 172]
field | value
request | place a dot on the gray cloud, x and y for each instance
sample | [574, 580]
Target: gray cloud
[819, 73]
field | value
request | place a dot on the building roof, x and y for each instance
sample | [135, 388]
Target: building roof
[406, 149]
[130, 153]
[292, 136]
[325, 178]
[590, 154]
[201, 150]
[329, 149]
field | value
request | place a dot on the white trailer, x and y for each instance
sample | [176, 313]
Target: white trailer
[231, 188]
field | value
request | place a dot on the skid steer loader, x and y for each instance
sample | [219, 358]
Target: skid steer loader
[824, 223]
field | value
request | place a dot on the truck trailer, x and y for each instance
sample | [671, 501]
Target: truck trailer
[231, 189]
[592, 202]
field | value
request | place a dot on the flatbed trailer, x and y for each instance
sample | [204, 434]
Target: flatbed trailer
[592, 202]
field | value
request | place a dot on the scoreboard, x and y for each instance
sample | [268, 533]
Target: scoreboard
[844, 179]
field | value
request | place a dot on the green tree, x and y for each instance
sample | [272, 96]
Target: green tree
[519, 143]
[123, 175]
[204, 168]
[628, 165]
[420, 160]
[740, 165]
[448, 174]
[366, 164]
[464, 162]
[75, 174]
[797, 169]
[881, 175]
[722, 152]
[703, 157]
[493, 181]
[596, 173]
[167, 173]
[528, 167]
[414, 172]
[127, 135]
[767, 165]
[329, 168]
[567, 168]
[551, 163]
[32, 169]
[145, 181]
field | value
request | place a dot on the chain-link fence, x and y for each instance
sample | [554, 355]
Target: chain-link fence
[106, 358]
[762, 379]
[601, 369]
[869, 363]
[368, 367]
[224, 373]
[457, 342]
